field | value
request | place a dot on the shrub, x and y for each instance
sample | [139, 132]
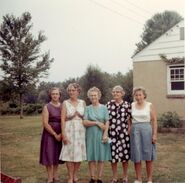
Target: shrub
[170, 120]
[33, 109]
[28, 109]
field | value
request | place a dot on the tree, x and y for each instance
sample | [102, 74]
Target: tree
[156, 26]
[126, 81]
[6, 92]
[22, 63]
[95, 77]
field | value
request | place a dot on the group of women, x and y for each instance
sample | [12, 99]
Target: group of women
[115, 132]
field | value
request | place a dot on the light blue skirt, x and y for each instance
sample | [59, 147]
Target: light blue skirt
[141, 144]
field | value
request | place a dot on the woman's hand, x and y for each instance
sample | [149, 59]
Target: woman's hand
[79, 115]
[105, 138]
[100, 125]
[70, 117]
[154, 138]
[58, 137]
[74, 115]
[65, 139]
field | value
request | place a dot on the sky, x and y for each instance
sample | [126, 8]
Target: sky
[89, 32]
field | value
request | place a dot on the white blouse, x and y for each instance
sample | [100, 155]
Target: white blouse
[141, 115]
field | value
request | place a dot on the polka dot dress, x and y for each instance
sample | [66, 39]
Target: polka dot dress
[118, 130]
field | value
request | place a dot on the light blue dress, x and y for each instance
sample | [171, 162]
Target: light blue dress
[96, 149]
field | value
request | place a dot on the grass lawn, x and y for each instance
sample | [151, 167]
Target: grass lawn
[20, 143]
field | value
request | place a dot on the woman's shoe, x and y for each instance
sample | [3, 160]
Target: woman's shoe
[75, 181]
[92, 181]
[124, 180]
[99, 181]
[49, 181]
[114, 181]
[137, 181]
[56, 180]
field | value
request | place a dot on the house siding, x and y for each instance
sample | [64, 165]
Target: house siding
[152, 75]
[170, 44]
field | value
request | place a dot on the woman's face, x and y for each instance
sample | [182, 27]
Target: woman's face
[73, 92]
[55, 95]
[139, 96]
[94, 97]
[117, 94]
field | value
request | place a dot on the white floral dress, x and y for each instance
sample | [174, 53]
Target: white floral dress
[75, 151]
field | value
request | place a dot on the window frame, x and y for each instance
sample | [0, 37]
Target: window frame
[169, 90]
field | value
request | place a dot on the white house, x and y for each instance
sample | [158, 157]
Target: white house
[164, 81]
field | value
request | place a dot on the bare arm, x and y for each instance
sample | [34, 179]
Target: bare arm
[47, 126]
[129, 125]
[105, 133]
[154, 123]
[63, 123]
[89, 123]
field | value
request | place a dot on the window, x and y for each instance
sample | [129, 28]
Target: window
[176, 79]
[181, 33]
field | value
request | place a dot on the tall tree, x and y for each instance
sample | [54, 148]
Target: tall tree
[156, 26]
[21, 61]
[94, 77]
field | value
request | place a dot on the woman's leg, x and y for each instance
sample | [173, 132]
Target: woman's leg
[138, 170]
[125, 169]
[50, 173]
[92, 167]
[76, 169]
[100, 169]
[70, 168]
[55, 172]
[114, 171]
[149, 170]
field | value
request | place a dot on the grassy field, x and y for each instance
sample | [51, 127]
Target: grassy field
[20, 143]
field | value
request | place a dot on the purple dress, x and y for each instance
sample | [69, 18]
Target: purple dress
[50, 148]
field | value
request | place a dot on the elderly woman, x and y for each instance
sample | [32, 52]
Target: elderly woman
[119, 122]
[143, 134]
[73, 132]
[51, 137]
[96, 121]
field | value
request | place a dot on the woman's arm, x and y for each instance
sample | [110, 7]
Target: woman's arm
[46, 125]
[63, 123]
[154, 123]
[105, 133]
[89, 123]
[129, 125]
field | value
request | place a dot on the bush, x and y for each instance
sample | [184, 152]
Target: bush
[170, 120]
[28, 109]
[32, 109]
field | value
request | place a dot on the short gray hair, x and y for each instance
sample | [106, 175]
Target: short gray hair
[94, 89]
[140, 88]
[120, 88]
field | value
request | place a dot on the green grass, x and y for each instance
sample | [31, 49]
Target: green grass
[20, 145]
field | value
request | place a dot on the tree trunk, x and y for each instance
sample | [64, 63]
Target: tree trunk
[21, 105]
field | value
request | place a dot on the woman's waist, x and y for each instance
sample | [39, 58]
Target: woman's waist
[50, 122]
[141, 123]
[74, 120]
